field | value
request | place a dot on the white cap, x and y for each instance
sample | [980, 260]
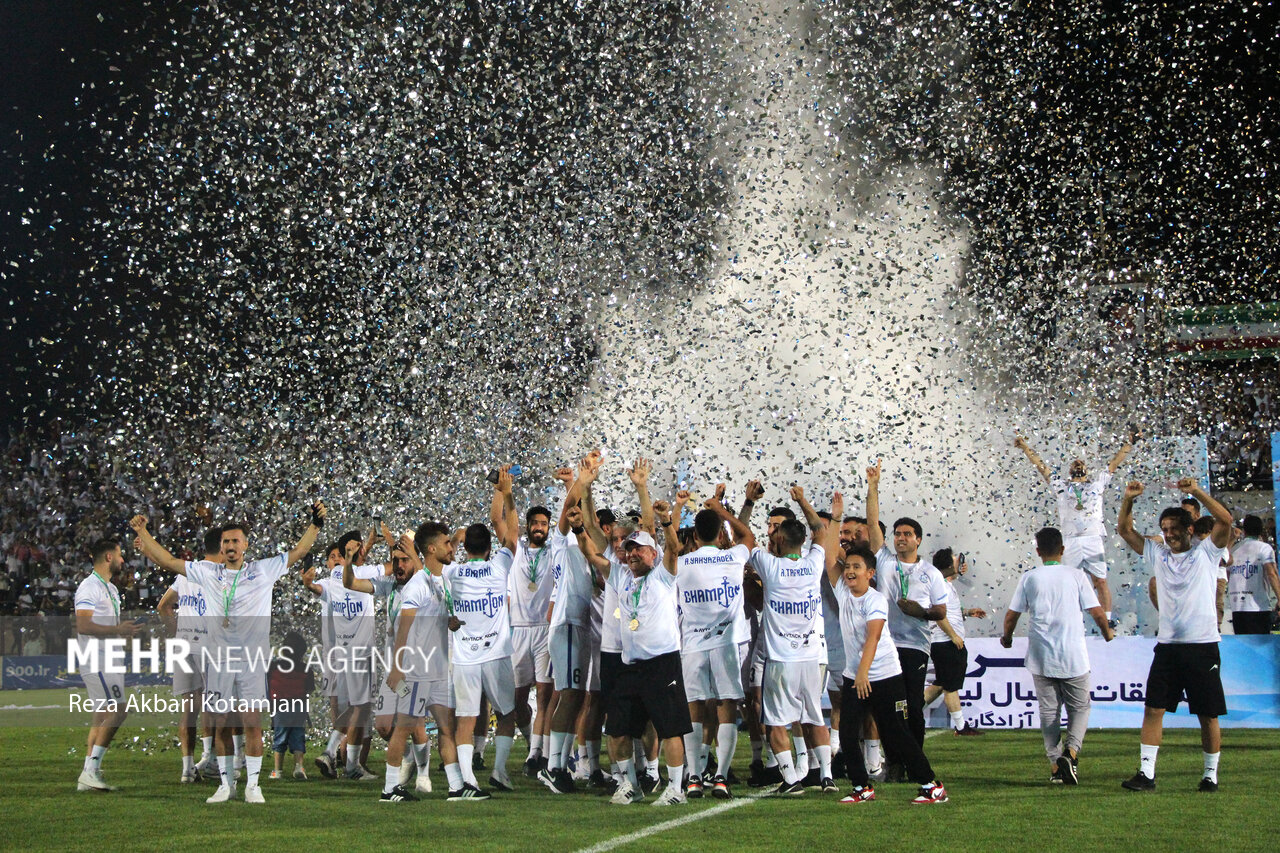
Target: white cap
[640, 537]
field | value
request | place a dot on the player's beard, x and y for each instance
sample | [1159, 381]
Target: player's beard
[537, 539]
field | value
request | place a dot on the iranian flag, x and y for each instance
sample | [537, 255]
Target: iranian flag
[1224, 332]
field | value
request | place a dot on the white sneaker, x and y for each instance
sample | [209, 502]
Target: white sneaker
[208, 768]
[189, 776]
[222, 795]
[671, 797]
[423, 785]
[407, 771]
[253, 794]
[360, 774]
[91, 781]
[625, 795]
[236, 771]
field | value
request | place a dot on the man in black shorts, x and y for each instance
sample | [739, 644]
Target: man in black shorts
[1186, 661]
[950, 657]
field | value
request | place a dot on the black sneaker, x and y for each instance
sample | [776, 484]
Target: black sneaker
[732, 778]
[1139, 782]
[467, 792]
[829, 786]
[756, 778]
[720, 788]
[1067, 769]
[1207, 786]
[1055, 778]
[564, 781]
[477, 762]
[531, 767]
[649, 782]
[398, 794]
[324, 761]
[838, 770]
[895, 773]
[795, 789]
[603, 782]
[498, 785]
[812, 779]
[710, 771]
[542, 762]
[693, 788]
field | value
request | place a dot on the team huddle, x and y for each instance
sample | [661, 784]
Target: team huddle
[658, 636]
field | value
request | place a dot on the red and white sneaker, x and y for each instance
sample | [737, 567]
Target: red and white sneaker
[931, 794]
[860, 794]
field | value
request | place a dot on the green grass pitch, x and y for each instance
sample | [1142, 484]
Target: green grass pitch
[1000, 800]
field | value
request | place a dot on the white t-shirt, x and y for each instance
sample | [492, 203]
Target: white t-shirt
[478, 590]
[955, 615]
[925, 587]
[649, 602]
[427, 645]
[193, 608]
[243, 599]
[792, 623]
[350, 615]
[573, 589]
[710, 584]
[1187, 587]
[855, 613]
[611, 620]
[1246, 582]
[1055, 598]
[103, 599]
[535, 566]
[1080, 505]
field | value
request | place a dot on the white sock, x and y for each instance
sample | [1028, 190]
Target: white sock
[226, 766]
[555, 758]
[535, 745]
[824, 761]
[770, 760]
[726, 743]
[957, 720]
[1211, 766]
[871, 754]
[479, 742]
[525, 733]
[802, 759]
[650, 766]
[626, 769]
[96, 757]
[675, 778]
[593, 755]
[239, 742]
[501, 750]
[353, 756]
[188, 763]
[206, 743]
[252, 768]
[835, 741]
[568, 749]
[453, 773]
[1147, 760]
[704, 752]
[392, 778]
[637, 753]
[786, 766]
[1108, 615]
[692, 741]
[465, 753]
[422, 757]
[335, 738]
[88, 764]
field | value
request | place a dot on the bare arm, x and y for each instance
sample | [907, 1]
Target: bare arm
[755, 491]
[1273, 581]
[1010, 623]
[912, 608]
[168, 610]
[1123, 452]
[1222, 523]
[153, 550]
[308, 577]
[875, 538]
[86, 626]
[1021, 444]
[1124, 523]
[639, 474]
[1155, 596]
[1100, 619]
[595, 559]
[671, 547]
[497, 510]
[950, 631]
[811, 516]
[862, 681]
[402, 637]
[297, 552]
[350, 581]
[742, 534]
[1219, 599]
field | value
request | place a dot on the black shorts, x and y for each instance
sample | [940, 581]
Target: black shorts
[610, 666]
[949, 665]
[649, 691]
[1251, 621]
[1190, 669]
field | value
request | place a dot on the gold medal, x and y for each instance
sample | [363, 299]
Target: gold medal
[617, 613]
[634, 624]
[226, 621]
[533, 587]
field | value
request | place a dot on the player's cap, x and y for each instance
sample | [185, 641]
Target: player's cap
[639, 538]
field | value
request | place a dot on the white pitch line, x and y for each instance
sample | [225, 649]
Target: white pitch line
[689, 818]
[672, 824]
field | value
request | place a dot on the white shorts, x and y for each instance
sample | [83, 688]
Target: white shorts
[712, 674]
[1085, 552]
[756, 664]
[570, 653]
[247, 689]
[493, 679]
[417, 702]
[188, 682]
[530, 655]
[835, 680]
[792, 693]
[593, 664]
[104, 687]
[328, 685]
[353, 683]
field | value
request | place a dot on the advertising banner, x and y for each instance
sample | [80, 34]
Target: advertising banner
[38, 672]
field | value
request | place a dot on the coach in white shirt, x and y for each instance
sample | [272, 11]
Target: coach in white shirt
[1056, 597]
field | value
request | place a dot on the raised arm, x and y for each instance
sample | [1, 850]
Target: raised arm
[671, 542]
[297, 552]
[811, 516]
[875, 538]
[1021, 443]
[742, 534]
[639, 475]
[153, 550]
[1222, 524]
[755, 491]
[586, 475]
[168, 610]
[497, 510]
[831, 540]
[1124, 523]
[1124, 451]
[308, 578]
[350, 581]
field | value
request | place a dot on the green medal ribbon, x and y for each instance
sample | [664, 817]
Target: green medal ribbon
[533, 562]
[903, 584]
[115, 602]
[635, 597]
[228, 598]
[1079, 493]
